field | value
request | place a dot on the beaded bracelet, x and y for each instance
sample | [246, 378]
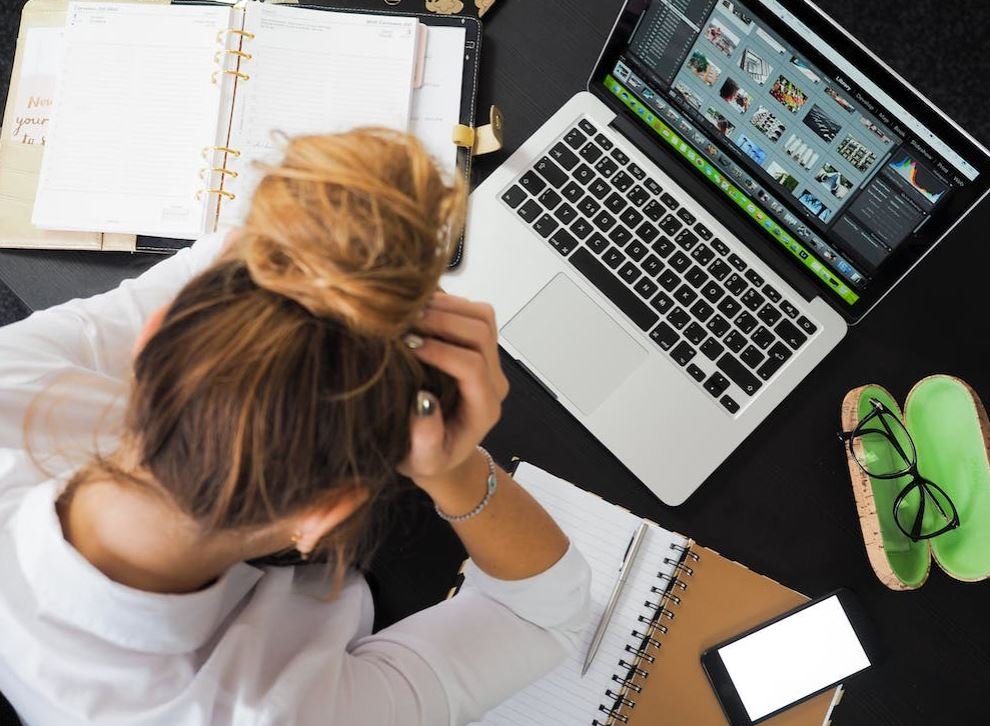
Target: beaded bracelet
[492, 482]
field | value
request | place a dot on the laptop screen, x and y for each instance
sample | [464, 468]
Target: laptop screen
[834, 169]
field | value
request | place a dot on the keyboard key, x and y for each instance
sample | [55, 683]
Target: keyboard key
[735, 284]
[718, 326]
[581, 228]
[620, 156]
[620, 235]
[745, 322]
[712, 349]
[647, 232]
[583, 174]
[789, 334]
[737, 262]
[719, 269]
[669, 200]
[606, 167]
[636, 172]
[683, 353]
[776, 357]
[771, 293]
[789, 310]
[686, 239]
[587, 127]
[735, 340]
[599, 189]
[572, 191]
[716, 384]
[729, 307]
[769, 315]
[530, 210]
[545, 226]
[806, 325]
[653, 187]
[613, 257]
[730, 405]
[624, 298]
[549, 199]
[696, 373]
[637, 250]
[685, 295]
[630, 272]
[565, 213]
[646, 287]
[604, 221]
[679, 261]
[678, 318]
[688, 218]
[631, 217]
[762, 337]
[702, 310]
[532, 182]
[663, 246]
[616, 202]
[598, 243]
[695, 333]
[703, 231]
[638, 196]
[654, 210]
[514, 196]
[591, 152]
[703, 254]
[652, 265]
[662, 302]
[622, 181]
[588, 206]
[720, 246]
[604, 142]
[664, 336]
[739, 374]
[670, 225]
[575, 138]
[752, 299]
[669, 280]
[754, 277]
[563, 242]
[712, 292]
[564, 156]
[549, 171]
[696, 276]
[751, 356]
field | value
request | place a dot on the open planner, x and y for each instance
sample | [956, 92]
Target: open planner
[162, 111]
[679, 599]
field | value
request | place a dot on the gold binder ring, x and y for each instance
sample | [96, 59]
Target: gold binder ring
[219, 192]
[225, 149]
[229, 51]
[219, 170]
[222, 35]
[239, 74]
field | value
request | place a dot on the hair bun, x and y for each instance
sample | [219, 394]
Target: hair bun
[356, 226]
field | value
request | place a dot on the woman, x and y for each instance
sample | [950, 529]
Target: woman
[253, 396]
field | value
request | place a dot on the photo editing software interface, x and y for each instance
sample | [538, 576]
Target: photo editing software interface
[833, 170]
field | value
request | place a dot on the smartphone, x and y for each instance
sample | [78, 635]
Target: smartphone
[791, 658]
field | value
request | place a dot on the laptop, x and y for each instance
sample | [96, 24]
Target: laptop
[679, 245]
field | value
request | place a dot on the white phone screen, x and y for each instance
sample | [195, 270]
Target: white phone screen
[794, 657]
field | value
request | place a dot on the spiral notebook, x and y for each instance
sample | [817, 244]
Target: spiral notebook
[679, 599]
[161, 110]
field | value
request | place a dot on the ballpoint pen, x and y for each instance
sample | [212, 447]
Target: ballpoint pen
[627, 560]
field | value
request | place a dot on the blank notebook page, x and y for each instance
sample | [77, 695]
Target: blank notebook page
[134, 107]
[601, 531]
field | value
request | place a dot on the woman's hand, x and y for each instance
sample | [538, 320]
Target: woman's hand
[459, 338]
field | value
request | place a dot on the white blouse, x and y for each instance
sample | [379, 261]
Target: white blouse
[260, 646]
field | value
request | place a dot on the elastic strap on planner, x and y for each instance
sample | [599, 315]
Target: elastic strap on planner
[648, 639]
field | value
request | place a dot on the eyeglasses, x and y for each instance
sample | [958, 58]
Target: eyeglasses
[922, 509]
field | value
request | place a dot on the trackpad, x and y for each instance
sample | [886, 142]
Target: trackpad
[571, 342]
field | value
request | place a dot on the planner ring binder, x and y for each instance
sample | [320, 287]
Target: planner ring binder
[218, 170]
[230, 72]
[225, 149]
[648, 638]
[219, 192]
[222, 35]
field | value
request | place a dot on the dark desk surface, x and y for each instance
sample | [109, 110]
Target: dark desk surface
[782, 504]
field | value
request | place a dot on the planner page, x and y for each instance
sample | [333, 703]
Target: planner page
[315, 72]
[135, 105]
[602, 532]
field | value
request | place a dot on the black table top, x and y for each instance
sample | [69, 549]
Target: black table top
[782, 503]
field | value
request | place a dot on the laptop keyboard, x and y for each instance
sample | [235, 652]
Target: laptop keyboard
[644, 249]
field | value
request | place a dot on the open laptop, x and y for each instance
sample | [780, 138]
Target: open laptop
[678, 246]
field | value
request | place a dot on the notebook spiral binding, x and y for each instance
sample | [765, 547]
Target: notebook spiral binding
[643, 651]
[220, 59]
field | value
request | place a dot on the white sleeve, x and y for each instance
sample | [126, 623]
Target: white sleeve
[92, 337]
[453, 662]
